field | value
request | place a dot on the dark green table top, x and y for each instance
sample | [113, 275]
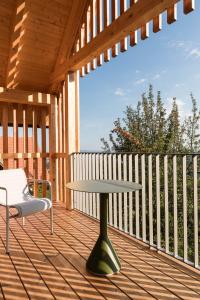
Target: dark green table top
[104, 186]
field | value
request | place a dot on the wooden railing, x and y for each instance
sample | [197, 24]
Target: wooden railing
[164, 214]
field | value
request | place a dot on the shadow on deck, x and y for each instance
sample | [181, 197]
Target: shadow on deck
[42, 266]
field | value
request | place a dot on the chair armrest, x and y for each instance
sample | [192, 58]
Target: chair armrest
[6, 191]
[32, 180]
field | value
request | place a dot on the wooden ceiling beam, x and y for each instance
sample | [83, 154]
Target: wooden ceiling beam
[139, 14]
[25, 97]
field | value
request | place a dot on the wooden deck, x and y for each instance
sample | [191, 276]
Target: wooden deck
[42, 266]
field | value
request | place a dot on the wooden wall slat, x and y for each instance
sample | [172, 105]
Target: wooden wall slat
[25, 138]
[44, 167]
[35, 148]
[15, 134]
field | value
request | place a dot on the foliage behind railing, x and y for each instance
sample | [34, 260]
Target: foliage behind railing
[164, 214]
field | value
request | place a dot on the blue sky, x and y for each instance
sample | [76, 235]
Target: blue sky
[170, 60]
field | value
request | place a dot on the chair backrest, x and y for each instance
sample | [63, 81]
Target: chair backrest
[14, 180]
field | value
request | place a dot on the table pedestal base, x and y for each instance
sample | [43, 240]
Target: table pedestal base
[103, 260]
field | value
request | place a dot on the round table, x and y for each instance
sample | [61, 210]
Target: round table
[103, 259]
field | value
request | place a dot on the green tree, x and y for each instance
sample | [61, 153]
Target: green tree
[147, 127]
[191, 128]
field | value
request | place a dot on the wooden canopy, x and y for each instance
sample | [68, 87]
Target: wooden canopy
[41, 40]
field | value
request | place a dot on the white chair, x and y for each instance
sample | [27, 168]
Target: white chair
[15, 193]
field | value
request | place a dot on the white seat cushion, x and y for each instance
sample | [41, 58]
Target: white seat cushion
[32, 206]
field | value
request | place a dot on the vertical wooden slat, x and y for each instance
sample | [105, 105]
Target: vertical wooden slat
[79, 169]
[196, 226]
[123, 43]
[157, 23]
[172, 14]
[185, 233]
[114, 5]
[94, 206]
[119, 177]
[87, 203]
[125, 213]
[189, 5]
[130, 178]
[15, 134]
[43, 128]
[150, 200]
[133, 34]
[90, 177]
[35, 149]
[137, 204]
[93, 32]
[76, 176]
[175, 206]
[82, 163]
[158, 201]
[72, 176]
[115, 195]
[99, 27]
[97, 177]
[52, 146]
[106, 23]
[143, 198]
[145, 31]
[25, 138]
[110, 195]
[166, 203]
[64, 138]
[5, 134]
[60, 148]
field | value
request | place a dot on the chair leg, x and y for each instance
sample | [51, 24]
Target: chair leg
[23, 221]
[51, 220]
[7, 230]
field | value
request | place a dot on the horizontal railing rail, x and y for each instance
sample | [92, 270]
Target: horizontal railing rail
[164, 214]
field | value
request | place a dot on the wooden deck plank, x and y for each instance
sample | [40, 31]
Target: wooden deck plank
[53, 267]
[139, 278]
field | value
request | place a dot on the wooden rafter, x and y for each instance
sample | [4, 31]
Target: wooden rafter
[19, 16]
[136, 17]
[73, 25]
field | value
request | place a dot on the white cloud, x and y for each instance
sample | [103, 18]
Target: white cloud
[177, 85]
[120, 92]
[140, 81]
[195, 53]
[157, 76]
[191, 49]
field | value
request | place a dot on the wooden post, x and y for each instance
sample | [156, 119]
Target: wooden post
[5, 134]
[72, 135]
[53, 146]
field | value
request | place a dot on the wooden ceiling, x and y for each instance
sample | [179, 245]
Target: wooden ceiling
[34, 38]
[40, 40]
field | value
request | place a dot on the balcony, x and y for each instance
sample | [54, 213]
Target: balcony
[53, 267]
[47, 47]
